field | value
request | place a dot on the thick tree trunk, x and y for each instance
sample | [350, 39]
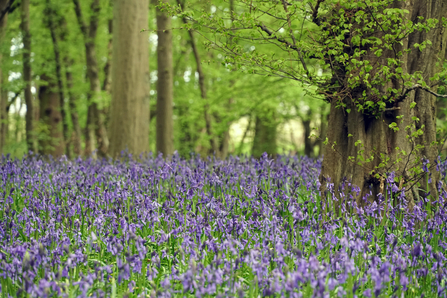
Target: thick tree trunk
[3, 93]
[29, 117]
[354, 137]
[265, 135]
[51, 117]
[165, 90]
[95, 122]
[129, 123]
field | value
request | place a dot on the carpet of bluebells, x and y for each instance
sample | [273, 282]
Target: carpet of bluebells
[240, 227]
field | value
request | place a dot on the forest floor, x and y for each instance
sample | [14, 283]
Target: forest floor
[203, 228]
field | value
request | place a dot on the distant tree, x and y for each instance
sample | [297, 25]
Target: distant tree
[51, 138]
[265, 134]
[129, 119]
[377, 63]
[3, 94]
[30, 132]
[50, 21]
[165, 82]
[95, 118]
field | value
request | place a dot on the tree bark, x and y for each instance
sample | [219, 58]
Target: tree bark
[51, 117]
[265, 135]
[129, 123]
[165, 90]
[354, 137]
[95, 119]
[29, 118]
[3, 93]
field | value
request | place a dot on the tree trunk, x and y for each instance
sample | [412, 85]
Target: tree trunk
[3, 93]
[129, 123]
[29, 118]
[308, 143]
[95, 119]
[353, 137]
[165, 90]
[208, 125]
[265, 135]
[76, 135]
[51, 117]
[224, 139]
[50, 14]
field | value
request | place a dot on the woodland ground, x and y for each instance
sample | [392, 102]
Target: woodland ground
[203, 228]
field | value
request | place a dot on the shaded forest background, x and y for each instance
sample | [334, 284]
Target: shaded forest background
[57, 61]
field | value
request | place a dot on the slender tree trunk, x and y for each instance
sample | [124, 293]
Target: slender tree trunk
[206, 114]
[51, 117]
[50, 14]
[129, 123]
[265, 135]
[3, 93]
[308, 144]
[18, 123]
[77, 133]
[95, 120]
[225, 138]
[165, 88]
[354, 137]
[29, 118]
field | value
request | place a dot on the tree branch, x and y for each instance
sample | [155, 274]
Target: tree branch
[418, 86]
[280, 39]
[6, 9]
[298, 50]
[315, 18]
